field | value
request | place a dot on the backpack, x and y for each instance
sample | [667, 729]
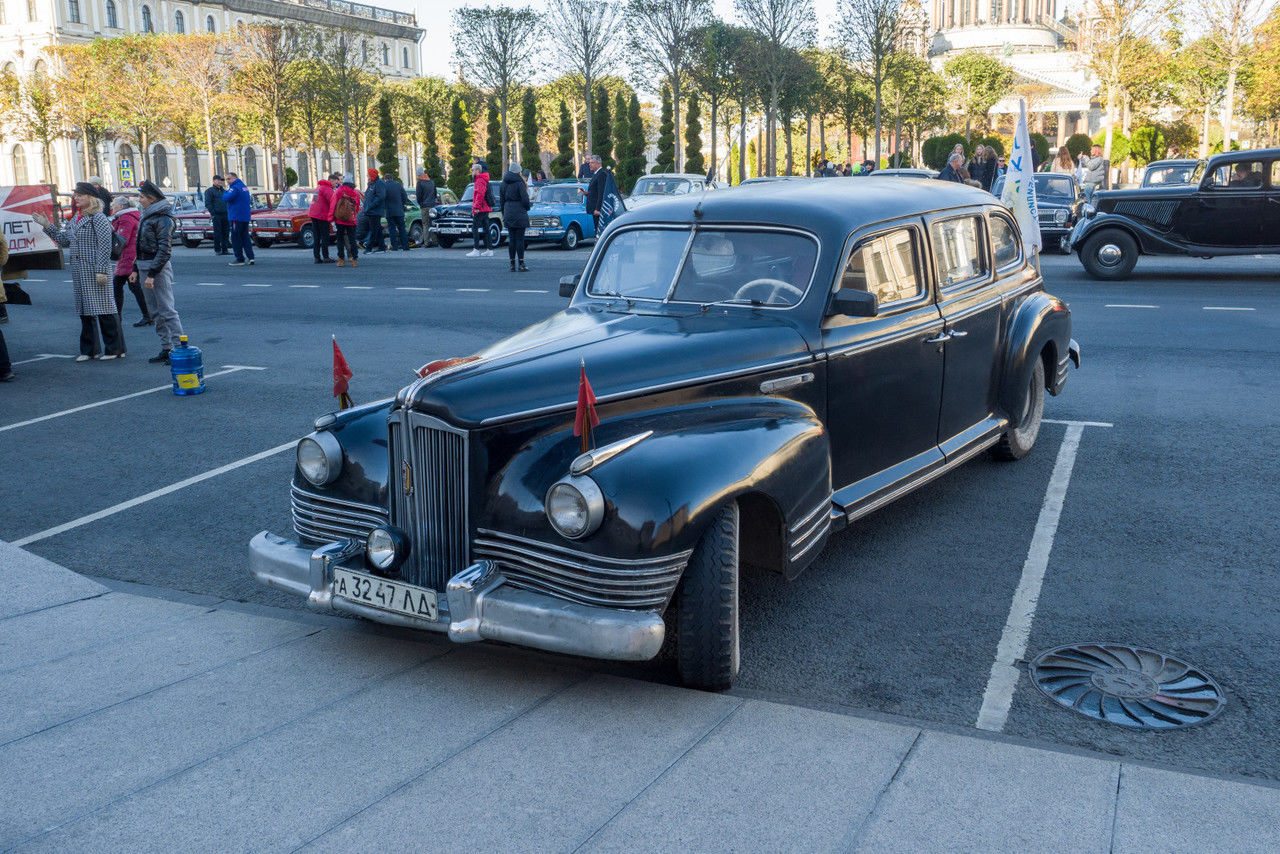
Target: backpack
[345, 209]
[489, 198]
[118, 244]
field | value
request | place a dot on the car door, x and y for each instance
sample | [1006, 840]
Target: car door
[972, 308]
[884, 373]
[1228, 210]
[1271, 233]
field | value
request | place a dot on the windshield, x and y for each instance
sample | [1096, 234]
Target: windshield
[660, 187]
[560, 194]
[469, 193]
[1048, 187]
[1161, 175]
[187, 203]
[297, 199]
[746, 267]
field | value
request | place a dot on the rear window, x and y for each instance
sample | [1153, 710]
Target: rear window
[886, 266]
[1246, 175]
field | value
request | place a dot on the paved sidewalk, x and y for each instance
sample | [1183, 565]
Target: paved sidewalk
[148, 724]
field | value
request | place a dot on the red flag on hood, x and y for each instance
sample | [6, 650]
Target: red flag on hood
[586, 418]
[341, 373]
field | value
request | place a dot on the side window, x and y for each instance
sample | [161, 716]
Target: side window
[887, 266]
[1245, 175]
[1004, 242]
[957, 250]
[1275, 175]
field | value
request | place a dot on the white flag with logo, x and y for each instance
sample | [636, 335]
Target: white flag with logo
[1019, 194]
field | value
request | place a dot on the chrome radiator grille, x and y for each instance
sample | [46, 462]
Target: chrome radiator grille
[581, 577]
[320, 519]
[428, 487]
[539, 222]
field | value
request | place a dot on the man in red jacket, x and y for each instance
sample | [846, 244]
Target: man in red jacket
[480, 212]
[321, 216]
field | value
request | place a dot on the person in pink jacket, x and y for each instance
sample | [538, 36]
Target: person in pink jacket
[124, 222]
[321, 213]
[345, 207]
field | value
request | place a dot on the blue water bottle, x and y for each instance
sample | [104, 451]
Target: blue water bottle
[187, 367]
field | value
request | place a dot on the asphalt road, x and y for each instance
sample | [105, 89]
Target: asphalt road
[1167, 536]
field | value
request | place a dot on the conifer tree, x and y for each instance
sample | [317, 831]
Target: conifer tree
[459, 147]
[602, 133]
[431, 156]
[693, 162]
[530, 154]
[388, 153]
[666, 137]
[493, 142]
[621, 137]
[638, 164]
[562, 166]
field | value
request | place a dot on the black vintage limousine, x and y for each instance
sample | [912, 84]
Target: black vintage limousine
[1229, 206]
[770, 363]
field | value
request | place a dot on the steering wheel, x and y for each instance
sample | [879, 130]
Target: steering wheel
[776, 287]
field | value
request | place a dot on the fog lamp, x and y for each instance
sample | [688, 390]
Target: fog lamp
[386, 548]
[575, 507]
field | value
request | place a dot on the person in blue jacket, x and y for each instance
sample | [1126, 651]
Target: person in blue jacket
[238, 201]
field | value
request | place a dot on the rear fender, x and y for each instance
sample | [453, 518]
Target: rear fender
[1040, 329]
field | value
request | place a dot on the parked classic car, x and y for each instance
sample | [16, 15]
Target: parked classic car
[1231, 206]
[1056, 198]
[451, 223]
[559, 215]
[656, 187]
[1161, 172]
[291, 220]
[906, 172]
[769, 364]
[194, 226]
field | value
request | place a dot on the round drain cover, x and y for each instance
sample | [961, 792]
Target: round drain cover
[1127, 685]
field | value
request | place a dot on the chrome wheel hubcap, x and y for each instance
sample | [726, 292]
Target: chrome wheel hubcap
[1110, 254]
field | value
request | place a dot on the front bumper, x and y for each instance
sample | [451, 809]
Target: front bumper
[477, 604]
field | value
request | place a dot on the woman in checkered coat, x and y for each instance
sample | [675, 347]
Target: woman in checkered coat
[89, 238]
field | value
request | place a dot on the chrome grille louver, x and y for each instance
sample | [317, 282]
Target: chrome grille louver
[539, 222]
[320, 519]
[428, 490]
[580, 577]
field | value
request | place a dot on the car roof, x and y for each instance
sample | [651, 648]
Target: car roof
[687, 175]
[1177, 161]
[1248, 156]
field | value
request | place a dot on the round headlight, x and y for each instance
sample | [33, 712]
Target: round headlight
[575, 507]
[320, 458]
[554, 221]
[1060, 216]
[386, 549]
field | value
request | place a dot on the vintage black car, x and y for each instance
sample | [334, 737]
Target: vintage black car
[1056, 197]
[769, 363]
[452, 222]
[1162, 172]
[1231, 206]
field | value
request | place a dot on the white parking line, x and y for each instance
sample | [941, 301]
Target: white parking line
[531, 291]
[43, 356]
[1126, 305]
[357, 287]
[209, 284]
[472, 290]
[1081, 423]
[251, 285]
[304, 286]
[998, 697]
[29, 279]
[142, 499]
[229, 369]
[413, 289]
[1227, 308]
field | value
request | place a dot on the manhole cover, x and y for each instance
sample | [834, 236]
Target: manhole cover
[1127, 685]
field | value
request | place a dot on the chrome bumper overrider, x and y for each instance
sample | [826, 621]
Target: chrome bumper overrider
[476, 605]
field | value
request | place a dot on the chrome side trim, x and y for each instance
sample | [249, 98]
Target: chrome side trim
[321, 519]
[824, 528]
[784, 383]
[975, 309]
[586, 462]
[934, 323]
[585, 557]
[825, 504]
[914, 484]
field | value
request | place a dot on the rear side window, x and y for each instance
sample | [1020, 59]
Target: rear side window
[885, 265]
[957, 250]
[1246, 175]
[1004, 242]
[1275, 175]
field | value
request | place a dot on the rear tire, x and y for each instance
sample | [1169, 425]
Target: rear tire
[1019, 439]
[707, 643]
[1110, 254]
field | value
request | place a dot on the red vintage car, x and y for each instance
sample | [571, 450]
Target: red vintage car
[289, 220]
[194, 226]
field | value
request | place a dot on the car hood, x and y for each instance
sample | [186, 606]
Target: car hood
[1169, 193]
[460, 208]
[623, 354]
[277, 213]
[550, 209]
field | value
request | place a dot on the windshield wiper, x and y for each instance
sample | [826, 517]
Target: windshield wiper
[743, 301]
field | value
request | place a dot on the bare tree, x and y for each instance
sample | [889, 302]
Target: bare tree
[348, 83]
[197, 65]
[1118, 36]
[496, 45]
[871, 32]
[586, 44]
[1231, 24]
[783, 25]
[266, 78]
[661, 39]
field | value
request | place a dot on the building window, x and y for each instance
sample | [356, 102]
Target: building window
[192, 163]
[73, 11]
[997, 11]
[404, 56]
[147, 26]
[364, 51]
[2, 18]
[160, 165]
[179, 25]
[386, 55]
[250, 167]
[20, 166]
[113, 20]
[208, 25]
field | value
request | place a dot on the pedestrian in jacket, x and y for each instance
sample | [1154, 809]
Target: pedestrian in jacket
[375, 207]
[426, 192]
[239, 208]
[480, 210]
[515, 214]
[321, 213]
[397, 201]
[124, 222]
[154, 269]
[216, 205]
[1096, 172]
[88, 237]
[953, 169]
[346, 207]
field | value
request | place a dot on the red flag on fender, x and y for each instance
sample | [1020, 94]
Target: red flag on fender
[586, 418]
[341, 373]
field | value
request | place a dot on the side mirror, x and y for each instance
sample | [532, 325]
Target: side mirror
[855, 303]
[569, 284]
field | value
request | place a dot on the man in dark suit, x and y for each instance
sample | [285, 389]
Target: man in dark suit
[595, 190]
[425, 192]
[217, 208]
[397, 201]
[950, 173]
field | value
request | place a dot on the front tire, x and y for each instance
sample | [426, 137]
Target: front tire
[190, 242]
[571, 238]
[1110, 254]
[493, 234]
[415, 234]
[707, 642]
[1018, 440]
[263, 242]
[446, 242]
[307, 237]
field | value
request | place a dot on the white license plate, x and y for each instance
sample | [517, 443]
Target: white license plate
[455, 231]
[534, 232]
[191, 234]
[393, 596]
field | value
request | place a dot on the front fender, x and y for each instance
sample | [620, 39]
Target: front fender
[662, 492]
[1041, 323]
[1149, 240]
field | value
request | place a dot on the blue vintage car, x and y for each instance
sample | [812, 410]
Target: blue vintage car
[560, 215]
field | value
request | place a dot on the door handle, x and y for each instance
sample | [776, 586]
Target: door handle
[939, 338]
[956, 333]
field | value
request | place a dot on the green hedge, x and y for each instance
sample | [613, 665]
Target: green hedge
[935, 150]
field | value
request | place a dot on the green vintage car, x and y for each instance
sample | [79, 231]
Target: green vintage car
[290, 221]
